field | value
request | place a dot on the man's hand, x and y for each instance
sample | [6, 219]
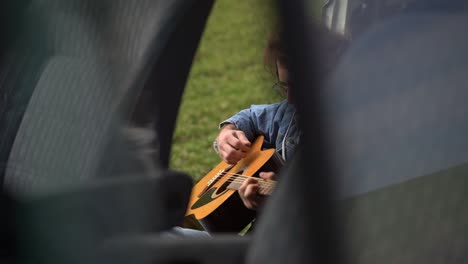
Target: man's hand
[249, 189]
[232, 144]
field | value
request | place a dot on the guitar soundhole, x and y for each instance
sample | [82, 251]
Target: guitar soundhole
[214, 180]
[229, 180]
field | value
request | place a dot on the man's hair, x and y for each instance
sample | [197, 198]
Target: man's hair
[329, 45]
[275, 51]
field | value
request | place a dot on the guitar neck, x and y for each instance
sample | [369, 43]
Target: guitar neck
[265, 186]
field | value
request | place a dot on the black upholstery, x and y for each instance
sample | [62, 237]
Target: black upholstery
[75, 164]
[80, 67]
[223, 248]
[73, 225]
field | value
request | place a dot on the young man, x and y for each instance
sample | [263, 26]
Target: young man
[276, 122]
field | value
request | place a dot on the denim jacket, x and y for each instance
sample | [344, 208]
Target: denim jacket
[272, 121]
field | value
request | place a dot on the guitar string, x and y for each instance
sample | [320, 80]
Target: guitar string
[241, 178]
[264, 184]
[241, 181]
[263, 189]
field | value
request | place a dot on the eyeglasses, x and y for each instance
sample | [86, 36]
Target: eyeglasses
[281, 88]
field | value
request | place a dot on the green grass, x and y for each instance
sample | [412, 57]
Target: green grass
[228, 75]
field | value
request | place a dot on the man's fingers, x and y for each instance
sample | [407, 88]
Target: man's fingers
[267, 175]
[238, 141]
[231, 150]
[233, 145]
[251, 191]
[248, 193]
[244, 141]
[251, 196]
[232, 155]
[247, 182]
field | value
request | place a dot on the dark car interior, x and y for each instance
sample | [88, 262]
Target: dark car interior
[86, 121]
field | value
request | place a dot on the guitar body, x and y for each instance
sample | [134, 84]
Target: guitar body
[215, 202]
[231, 216]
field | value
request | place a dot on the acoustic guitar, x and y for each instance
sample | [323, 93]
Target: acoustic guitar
[214, 200]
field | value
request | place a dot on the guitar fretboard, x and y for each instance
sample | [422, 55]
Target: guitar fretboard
[265, 186]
